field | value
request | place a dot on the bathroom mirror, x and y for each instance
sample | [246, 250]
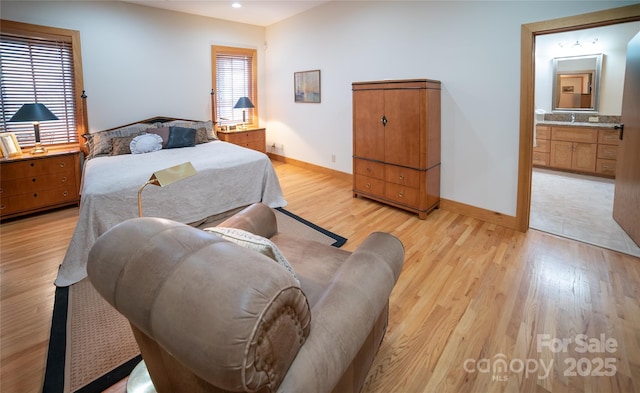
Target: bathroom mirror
[576, 83]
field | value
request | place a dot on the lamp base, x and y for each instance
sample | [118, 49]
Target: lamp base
[38, 149]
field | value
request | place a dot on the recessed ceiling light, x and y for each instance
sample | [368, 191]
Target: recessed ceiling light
[236, 5]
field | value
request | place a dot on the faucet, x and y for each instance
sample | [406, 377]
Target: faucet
[573, 117]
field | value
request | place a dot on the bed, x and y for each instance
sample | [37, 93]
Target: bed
[228, 177]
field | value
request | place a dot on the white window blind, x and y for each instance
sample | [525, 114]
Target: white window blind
[38, 70]
[234, 79]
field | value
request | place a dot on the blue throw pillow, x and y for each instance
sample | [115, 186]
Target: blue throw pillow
[181, 137]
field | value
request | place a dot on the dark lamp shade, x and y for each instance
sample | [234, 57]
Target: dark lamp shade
[33, 112]
[243, 103]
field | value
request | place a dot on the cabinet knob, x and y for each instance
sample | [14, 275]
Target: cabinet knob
[3, 206]
[401, 177]
[401, 194]
[368, 185]
[65, 194]
[64, 179]
[33, 180]
[368, 169]
[63, 164]
[31, 164]
[35, 195]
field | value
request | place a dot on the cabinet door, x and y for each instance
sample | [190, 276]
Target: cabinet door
[561, 154]
[368, 130]
[584, 156]
[402, 131]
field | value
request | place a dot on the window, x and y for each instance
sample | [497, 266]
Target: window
[41, 64]
[234, 76]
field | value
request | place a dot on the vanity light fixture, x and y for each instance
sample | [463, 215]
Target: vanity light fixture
[576, 44]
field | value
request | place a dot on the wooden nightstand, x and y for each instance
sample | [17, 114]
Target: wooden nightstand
[253, 139]
[32, 183]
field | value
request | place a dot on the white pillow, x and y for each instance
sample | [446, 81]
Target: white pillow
[254, 242]
[145, 143]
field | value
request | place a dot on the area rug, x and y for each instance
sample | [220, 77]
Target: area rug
[91, 345]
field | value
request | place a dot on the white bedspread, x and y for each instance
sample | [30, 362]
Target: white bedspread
[228, 177]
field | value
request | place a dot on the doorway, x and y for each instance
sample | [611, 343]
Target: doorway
[580, 206]
[527, 91]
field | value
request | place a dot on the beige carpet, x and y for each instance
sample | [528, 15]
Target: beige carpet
[99, 338]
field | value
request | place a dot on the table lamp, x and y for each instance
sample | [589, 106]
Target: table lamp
[244, 103]
[165, 177]
[34, 113]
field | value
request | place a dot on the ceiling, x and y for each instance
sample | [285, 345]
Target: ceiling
[254, 12]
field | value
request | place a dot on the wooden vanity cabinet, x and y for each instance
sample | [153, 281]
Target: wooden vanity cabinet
[396, 143]
[587, 150]
[542, 146]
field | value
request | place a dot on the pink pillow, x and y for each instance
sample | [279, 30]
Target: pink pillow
[163, 132]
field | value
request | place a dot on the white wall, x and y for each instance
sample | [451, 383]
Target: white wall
[472, 47]
[140, 62]
[612, 42]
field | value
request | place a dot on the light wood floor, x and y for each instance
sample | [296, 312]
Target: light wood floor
[471, 295]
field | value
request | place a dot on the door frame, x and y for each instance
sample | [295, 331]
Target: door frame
[527, 88]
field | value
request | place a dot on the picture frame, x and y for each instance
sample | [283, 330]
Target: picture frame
[567, 89]
[9, 145]
[306, 86]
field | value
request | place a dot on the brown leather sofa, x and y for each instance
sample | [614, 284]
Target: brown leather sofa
[212, 316]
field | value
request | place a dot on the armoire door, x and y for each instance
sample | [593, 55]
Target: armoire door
[368, 127]
[402, 129]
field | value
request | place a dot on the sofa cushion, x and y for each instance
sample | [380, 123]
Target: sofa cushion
[254, 242]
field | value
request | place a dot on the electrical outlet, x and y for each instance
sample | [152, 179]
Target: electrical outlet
[594, 119]
[273, 145]
[333, 158]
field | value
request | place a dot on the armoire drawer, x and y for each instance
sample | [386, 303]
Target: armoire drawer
[402, 176]
[401, 194]
[369, 185]
[369, 168]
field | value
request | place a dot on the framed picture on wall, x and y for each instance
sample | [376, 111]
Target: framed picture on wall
[9, 145]
[306, 86]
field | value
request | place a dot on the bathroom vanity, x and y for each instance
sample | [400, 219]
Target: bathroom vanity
[589, 148]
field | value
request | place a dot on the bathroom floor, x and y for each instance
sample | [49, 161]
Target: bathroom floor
[578, 207]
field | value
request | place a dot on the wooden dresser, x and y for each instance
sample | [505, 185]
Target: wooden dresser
[396, 143]
[589, 150]
[35, 183]
[253, 139]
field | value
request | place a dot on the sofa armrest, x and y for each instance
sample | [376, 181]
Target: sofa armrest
[232, 316]
[258, 219]
[346, 314]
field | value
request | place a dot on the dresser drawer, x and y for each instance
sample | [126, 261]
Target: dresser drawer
[609, 137]
[609, 152]
[542, 145]
[543, 132]
[540, 158]
[37, 200]
[369, 168]
[36, 183]
[29, 168]
[570, 134]
[403, 176]
[606, 167]
[369, 185]
[401, 194]
[245, 137]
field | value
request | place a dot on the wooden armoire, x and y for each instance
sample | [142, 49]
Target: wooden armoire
[396, 143]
